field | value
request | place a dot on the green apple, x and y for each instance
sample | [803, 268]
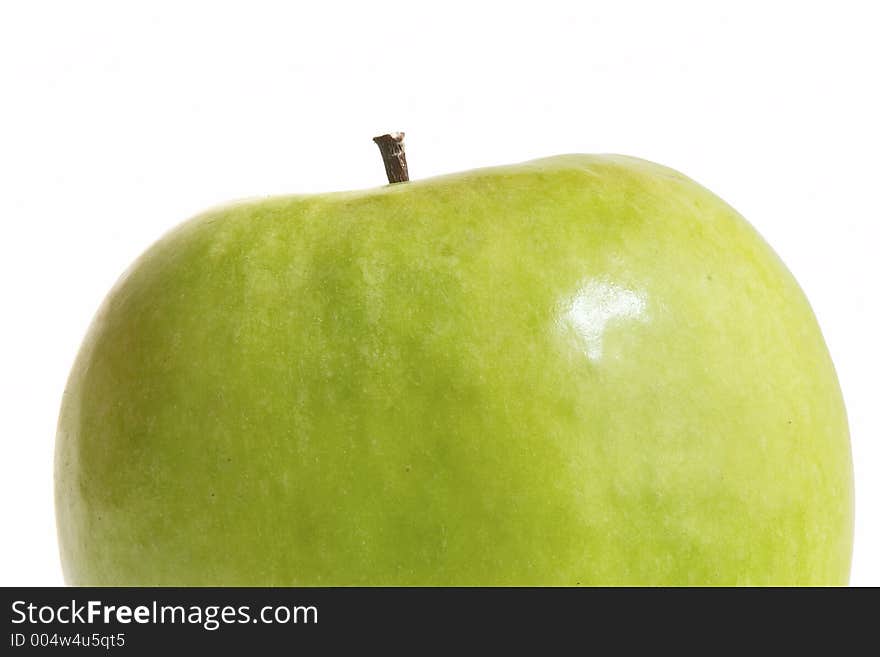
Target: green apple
[578, 370]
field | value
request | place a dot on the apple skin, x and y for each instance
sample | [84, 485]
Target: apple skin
[578, 370]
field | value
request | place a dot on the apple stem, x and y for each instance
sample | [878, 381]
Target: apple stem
[393, 155]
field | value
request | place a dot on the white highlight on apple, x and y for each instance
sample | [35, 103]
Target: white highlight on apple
[597, 304]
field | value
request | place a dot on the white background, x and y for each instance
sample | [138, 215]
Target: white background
[118, 120]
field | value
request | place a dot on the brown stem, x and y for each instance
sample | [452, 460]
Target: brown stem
[391, 147]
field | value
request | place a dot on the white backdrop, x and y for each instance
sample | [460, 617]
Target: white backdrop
[118, 120]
